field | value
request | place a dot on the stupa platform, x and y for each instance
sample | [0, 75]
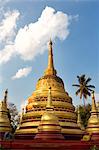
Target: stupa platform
[48, 145]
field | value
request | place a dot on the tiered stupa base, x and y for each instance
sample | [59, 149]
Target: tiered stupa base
[28, 136]
[31, 136]
[73, 136]
[49, 136]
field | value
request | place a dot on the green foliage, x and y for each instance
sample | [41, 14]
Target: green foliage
[13, 115]
[1, 148]
[85, 114]
[94, 148]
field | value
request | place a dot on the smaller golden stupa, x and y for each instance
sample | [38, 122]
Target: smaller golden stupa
[49, 127]
[5, 125]
[93, 122]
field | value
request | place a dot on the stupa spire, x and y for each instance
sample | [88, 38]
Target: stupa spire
[50, 69]
[50, 57]
[5, 95]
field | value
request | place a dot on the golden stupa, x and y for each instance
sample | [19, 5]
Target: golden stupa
[62, 103]
[5, 125]
[93, 122]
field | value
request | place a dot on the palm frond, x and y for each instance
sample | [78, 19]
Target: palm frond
[78, 91]
[90, 90]
[85, 96]
[90, 86]
[78, 78]
[88, 93]
[82, 79]
[77, 85]
[82, 76]
[87, 81]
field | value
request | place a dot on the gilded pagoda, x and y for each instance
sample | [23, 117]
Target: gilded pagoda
[5, 125]
[61, 101]
[93, 122]
[49, 127]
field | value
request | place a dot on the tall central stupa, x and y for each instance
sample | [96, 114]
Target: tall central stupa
[62, 102]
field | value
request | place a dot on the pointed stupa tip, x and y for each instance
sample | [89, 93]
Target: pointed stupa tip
[93, 94]
[50, 68]
[23, 110]
[49, 101]
[50, 42]
[5, 95]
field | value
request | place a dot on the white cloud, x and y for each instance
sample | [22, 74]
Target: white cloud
[8, 26]
[7, 35]
[22, 73]
[6, 53]
[32, 39]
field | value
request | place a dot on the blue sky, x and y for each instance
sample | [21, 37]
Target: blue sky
[75, 54]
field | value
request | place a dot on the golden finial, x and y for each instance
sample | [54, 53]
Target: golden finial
[5, 95]
[49, 100]
[50, 69]
[93, 94]
[50, 57]
[50, 42]
[23, 110]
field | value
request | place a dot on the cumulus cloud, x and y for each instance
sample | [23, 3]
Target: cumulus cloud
[35, 35]
[8, 26]
[7, 34]
[6, 53]
[23, 72]
[32, 39]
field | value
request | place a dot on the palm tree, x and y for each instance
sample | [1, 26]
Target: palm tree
[84, 89]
